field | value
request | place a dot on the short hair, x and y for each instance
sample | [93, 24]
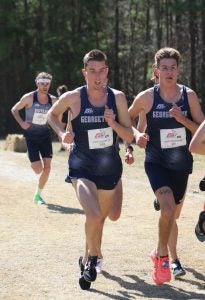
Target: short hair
[167, 53]
[44, 75]
[61, 89]
[94, 55]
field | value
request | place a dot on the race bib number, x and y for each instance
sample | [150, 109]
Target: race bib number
[172, 138]
[100, 138]
[39, 118]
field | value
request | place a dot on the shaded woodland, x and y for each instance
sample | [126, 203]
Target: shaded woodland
[53, 36]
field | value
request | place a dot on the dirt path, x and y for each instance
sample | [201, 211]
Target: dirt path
[40, 245]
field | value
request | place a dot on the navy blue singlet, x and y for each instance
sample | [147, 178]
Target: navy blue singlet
[95, 149]
[169, 139]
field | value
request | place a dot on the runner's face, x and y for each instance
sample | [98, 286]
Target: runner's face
[43, 87]
[168, 71]
[95, 74]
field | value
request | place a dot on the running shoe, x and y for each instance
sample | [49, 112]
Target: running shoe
[80, 263]
[154, 258]
[85, 285]
[38, 199]
[156, 205]
[67, 179]
[199, 229]
[99, 265]
[90, 272]
[177, 269]
[161, 272]
[202, 184]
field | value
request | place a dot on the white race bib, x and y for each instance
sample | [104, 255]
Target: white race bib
[39, 118]
[100, 138]
[172, 138]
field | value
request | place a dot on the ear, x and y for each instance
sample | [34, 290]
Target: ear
[107, 70]
[156, 72]
[84, 72]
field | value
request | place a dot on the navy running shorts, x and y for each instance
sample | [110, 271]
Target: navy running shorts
[106, 182]
[39, 147]
[160, 176]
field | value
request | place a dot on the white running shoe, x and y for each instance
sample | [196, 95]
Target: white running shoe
[177, 269]
[98, 266]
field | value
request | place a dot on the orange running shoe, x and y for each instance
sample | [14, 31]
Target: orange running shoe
[163, 273]
[154, 259]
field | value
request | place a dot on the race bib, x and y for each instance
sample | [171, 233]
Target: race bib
[39, 118]
[172, 138]
[100, 138]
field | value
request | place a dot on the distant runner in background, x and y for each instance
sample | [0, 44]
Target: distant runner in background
[36, 129]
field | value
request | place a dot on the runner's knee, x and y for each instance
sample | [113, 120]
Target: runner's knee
[37, 168]
[94, 218]
[114, 215]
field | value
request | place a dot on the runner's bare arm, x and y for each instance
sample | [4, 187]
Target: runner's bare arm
[139, 108]
[196, 113]
[123, 127]
[54, 114]
[197, 144]
[24, 102]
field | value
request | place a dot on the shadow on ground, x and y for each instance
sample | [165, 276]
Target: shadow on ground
[64, 210]
[138, 288]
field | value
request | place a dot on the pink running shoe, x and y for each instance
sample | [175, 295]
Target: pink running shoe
[154, 259]
[163, 273]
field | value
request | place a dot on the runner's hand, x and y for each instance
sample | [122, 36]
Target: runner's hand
[67, 137]
[141, 139]
[176, 112]
[129, 158]
[109, 115]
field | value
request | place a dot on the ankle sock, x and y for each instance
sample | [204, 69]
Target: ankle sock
[38, 191]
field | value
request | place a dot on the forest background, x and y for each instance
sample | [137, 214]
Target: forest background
[53, 36]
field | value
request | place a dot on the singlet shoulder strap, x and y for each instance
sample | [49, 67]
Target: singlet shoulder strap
[83, 91]
[184, 94]
[185, 100]
[49, 99]
[156, 94]
[84, 98]
[35, 98]
[111, 98]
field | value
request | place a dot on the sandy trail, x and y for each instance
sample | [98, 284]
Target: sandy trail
[40, 245]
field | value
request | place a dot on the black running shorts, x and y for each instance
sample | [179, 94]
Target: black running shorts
[37, 147]
[107, 182]
[160, 176]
